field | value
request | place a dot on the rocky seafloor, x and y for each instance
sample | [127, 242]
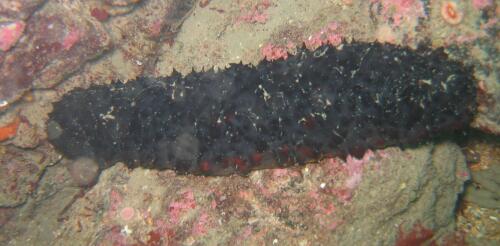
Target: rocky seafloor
[386, 197]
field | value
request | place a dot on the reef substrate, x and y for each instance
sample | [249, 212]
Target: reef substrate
[332, 101]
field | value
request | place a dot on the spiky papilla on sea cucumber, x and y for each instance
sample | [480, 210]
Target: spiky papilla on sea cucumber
[326, 102]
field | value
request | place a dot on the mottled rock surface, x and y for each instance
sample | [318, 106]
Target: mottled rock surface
[21, 171]
[360, 202]
[57, 41]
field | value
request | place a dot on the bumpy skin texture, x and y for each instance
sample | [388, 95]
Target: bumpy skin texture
[314, 104]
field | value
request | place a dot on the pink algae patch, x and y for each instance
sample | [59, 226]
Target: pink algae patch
[344, 195]
[401, 10]
[178, 208]
[481, 4]
[279, 172]
[99, 14]
[71, 38]
[163, 229]
[328, 208]
[284, 173]
[419, 235]
[331, 34]
[155, 28]
[324, 210]
[200, 226]
[255, 13]
[246, 233]
[490, 24]
[354, 169]
[114, 236]
[115, 200]
[273, 52]
[10, 34]
[254, 17]
[127, 213]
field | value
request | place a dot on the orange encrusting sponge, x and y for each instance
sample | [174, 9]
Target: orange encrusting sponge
[9, 130]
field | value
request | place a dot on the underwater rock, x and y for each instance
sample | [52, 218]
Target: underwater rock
[485, 190]
[327, 102]
[54, 45]
[290, 205]
[20, 171]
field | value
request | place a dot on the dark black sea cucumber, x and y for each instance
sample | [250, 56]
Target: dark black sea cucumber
[331, 101]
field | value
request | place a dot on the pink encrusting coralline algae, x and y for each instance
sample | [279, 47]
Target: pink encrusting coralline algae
[331, 34]
[71, 38]
[115, 201]
[255, 13]
[10, 34]
[401, 10]
[177, 208]
[354, 169]
[481, 4]
[344, 177]
[202, 225]
[350, 172]
[273, 52]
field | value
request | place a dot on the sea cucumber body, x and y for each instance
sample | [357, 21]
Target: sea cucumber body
[327, 102]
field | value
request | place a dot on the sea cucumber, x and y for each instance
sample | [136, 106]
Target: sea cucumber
[314, 104]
